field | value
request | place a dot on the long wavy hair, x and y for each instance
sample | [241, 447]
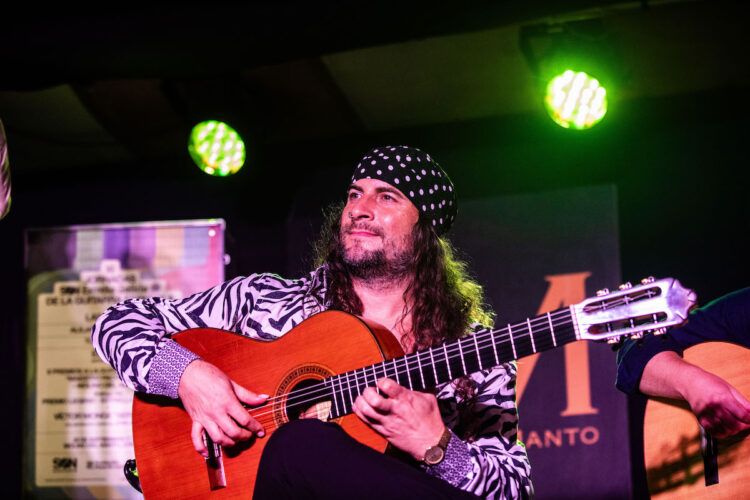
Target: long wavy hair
[441, 297]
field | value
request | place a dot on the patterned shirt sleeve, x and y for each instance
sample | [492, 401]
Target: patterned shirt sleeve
[134, 336]
[484, 456]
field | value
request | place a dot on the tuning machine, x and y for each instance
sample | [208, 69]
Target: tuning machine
[660, 331]
[636, 336]
[602, 292]
[648, 281]
[626, 286]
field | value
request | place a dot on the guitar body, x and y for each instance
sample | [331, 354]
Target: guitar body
[674, 465]
[326, 344]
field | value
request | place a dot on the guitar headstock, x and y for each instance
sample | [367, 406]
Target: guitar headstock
[633, 310]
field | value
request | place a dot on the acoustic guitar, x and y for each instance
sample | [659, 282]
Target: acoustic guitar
[672, 436]
[329, 359]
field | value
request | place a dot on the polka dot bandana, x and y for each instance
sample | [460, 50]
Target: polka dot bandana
[418, 177]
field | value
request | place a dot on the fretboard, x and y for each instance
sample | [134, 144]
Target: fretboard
[428, 368]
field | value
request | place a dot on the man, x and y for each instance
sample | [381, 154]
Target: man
[654, 366]
[383, 258]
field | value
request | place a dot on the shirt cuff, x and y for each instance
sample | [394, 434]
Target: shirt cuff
[167, 368]
[456, 463]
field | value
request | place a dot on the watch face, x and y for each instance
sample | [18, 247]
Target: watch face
[434, 455]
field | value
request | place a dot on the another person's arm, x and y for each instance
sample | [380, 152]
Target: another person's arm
[655, 367]
[719, 407]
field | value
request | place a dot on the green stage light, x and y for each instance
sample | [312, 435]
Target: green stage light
[576, 100]
[216, 148]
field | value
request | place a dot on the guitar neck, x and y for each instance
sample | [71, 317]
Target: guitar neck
[431, 367]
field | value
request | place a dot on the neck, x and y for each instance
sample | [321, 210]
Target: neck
[383, 302]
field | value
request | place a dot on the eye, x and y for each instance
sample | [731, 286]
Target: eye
[388, 197]
[352, 195]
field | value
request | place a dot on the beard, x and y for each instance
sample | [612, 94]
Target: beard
[389, 264]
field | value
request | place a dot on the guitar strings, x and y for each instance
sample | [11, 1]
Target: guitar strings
[500, 335]
[350, 383]
[486, 339]
[266, 418]
[480, 340]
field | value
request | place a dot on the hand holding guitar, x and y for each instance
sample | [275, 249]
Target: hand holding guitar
[214, 402]
[409, 420]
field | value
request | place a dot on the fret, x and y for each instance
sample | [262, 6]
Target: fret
[333, 394]
[434, 368]
[408, 372]
[349, 388]
[447, 362]
[531, 335]
[461, 354]
[421, 374]
[375, 379]
[551, 330]
[512, 341]
[375, 374]
[494, 347]
[479, 355]
[356, 383]
[341, 395]
[524, 344]
[364, 376]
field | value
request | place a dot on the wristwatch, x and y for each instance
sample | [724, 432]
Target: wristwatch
[435, 454]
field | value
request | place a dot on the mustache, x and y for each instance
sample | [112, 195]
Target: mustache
[362, 226]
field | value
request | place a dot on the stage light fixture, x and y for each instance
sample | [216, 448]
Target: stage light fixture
[576, 100]
[577, 67]
[216, 148]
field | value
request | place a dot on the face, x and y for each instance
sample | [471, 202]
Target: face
[377, 223]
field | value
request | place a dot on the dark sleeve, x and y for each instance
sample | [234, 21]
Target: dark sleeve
[725, 319]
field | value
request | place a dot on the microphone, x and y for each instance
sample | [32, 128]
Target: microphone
[4, 174]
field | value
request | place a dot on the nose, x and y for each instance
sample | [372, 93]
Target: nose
[362, 208]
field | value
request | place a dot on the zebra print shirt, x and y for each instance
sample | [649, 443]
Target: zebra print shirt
[134, 337]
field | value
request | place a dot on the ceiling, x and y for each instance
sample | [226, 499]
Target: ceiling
[84, 90]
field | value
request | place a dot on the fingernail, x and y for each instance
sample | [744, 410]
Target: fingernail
[262, 395]
[261, 434]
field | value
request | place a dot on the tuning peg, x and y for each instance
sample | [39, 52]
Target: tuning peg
[613, 340]
[636, 336]
[660, 331]
[649, 280]
[603, 291]
[626, 286]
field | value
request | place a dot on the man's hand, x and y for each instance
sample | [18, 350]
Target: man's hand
[720, 408]
[409, 420]
[214, 402]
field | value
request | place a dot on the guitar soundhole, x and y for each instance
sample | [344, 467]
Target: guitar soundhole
[308, 400]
